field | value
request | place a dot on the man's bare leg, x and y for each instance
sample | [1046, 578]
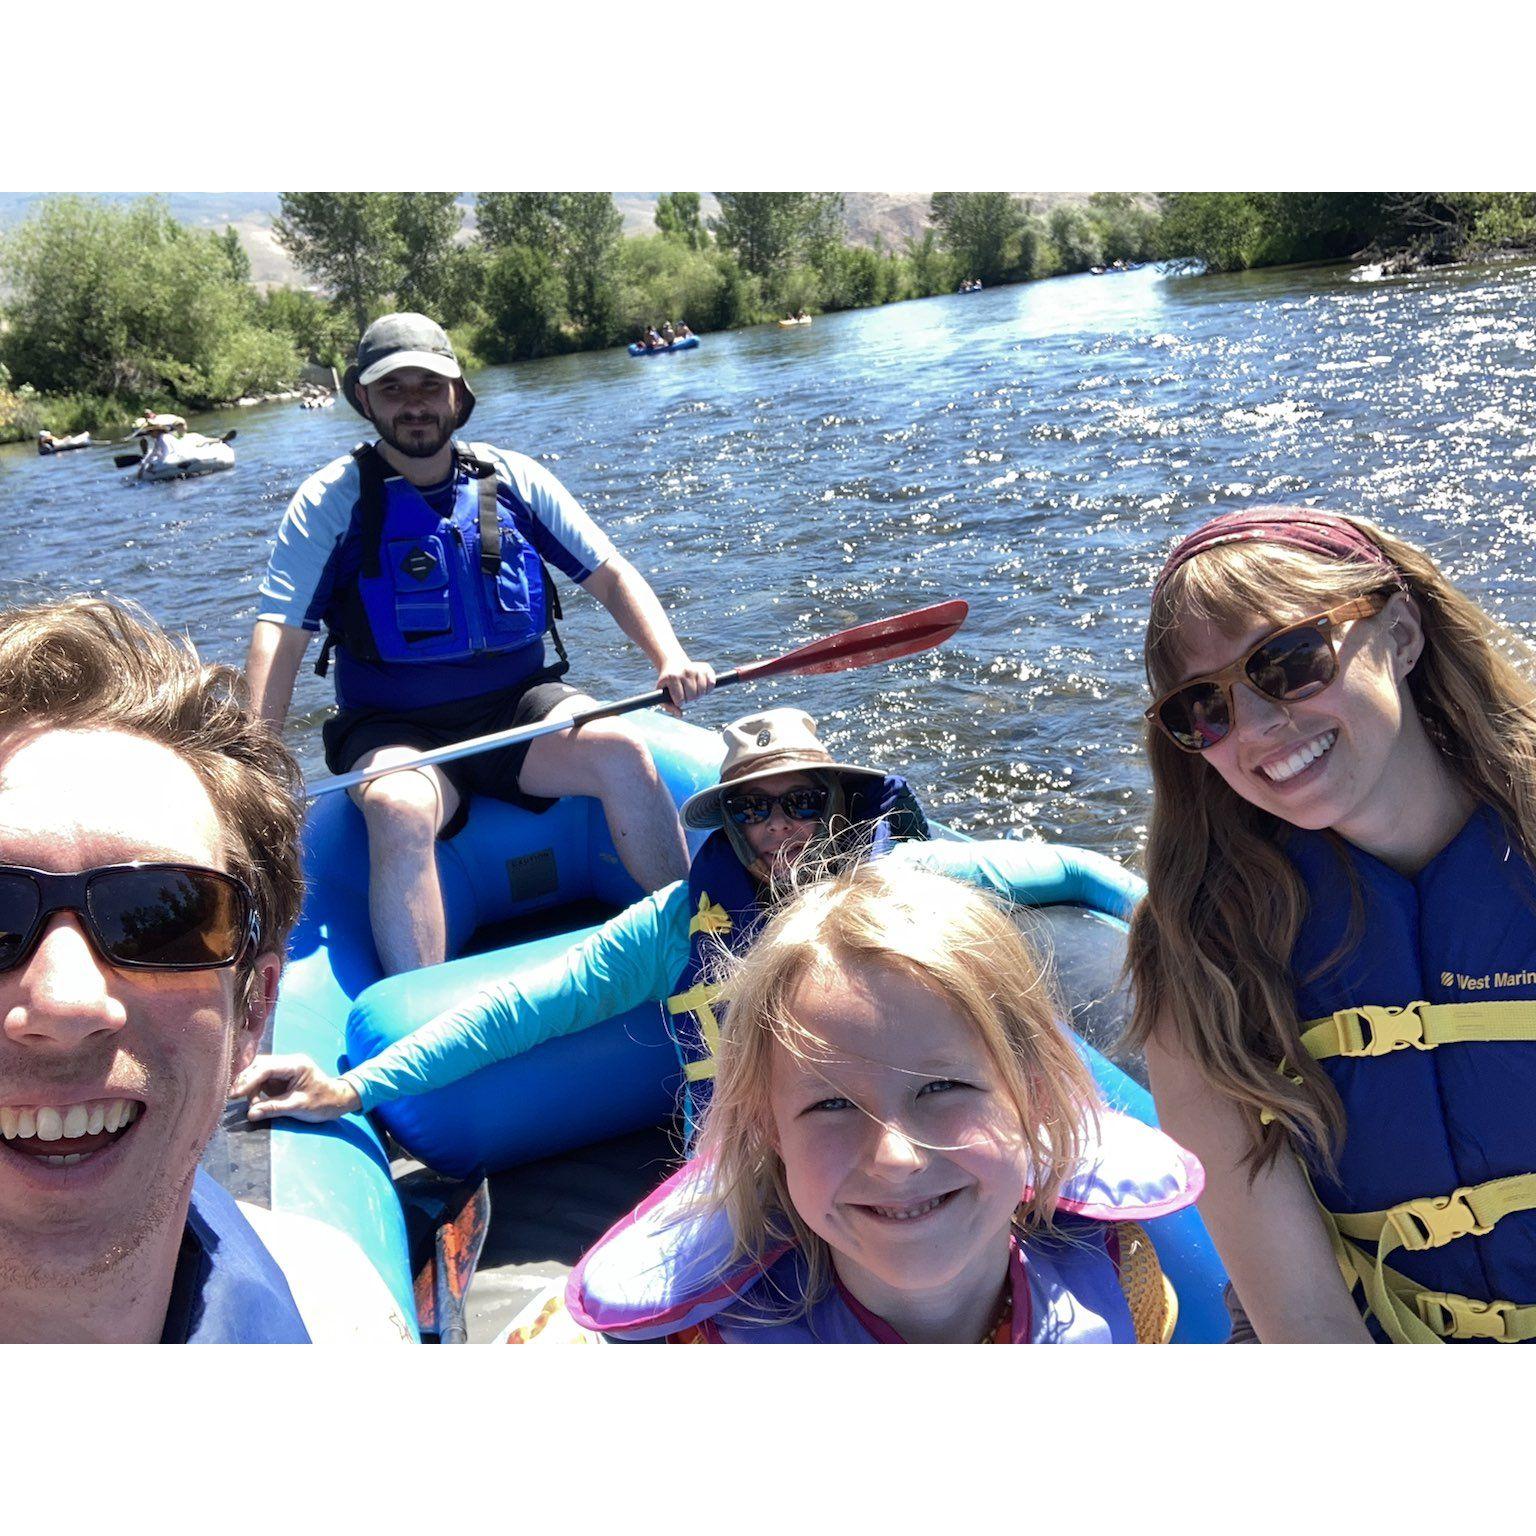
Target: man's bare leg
[405, 812]
[609, 761]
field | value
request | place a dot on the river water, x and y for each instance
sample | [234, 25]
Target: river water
[1034, 449]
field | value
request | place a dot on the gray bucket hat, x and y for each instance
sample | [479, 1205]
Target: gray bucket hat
[405, 341]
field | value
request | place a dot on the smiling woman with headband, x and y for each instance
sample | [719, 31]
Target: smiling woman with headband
[1337, 954]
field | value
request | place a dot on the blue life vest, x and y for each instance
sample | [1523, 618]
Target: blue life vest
[467, 587]
[228, 1288]
[1438, 1094]
[726, 907]
[672, 1264]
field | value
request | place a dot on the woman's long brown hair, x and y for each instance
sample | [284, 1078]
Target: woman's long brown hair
[1210, 947]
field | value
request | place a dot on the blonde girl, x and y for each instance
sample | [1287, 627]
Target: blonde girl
[903, 1147]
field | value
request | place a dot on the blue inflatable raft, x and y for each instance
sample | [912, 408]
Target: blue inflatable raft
[519, 889]
[687, 344]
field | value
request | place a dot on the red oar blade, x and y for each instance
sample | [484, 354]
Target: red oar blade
[866, 644]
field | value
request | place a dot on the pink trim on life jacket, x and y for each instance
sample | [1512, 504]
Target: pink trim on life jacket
[673, 1261]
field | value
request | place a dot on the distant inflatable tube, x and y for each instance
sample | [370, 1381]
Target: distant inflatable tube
[687, 344]
[204, 458]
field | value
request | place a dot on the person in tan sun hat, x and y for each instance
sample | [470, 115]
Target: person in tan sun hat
[779, 787]
[783, 800]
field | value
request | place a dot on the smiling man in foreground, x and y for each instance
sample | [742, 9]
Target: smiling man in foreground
[149, 878]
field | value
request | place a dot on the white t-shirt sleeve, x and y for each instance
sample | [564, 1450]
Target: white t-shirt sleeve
[295, 588]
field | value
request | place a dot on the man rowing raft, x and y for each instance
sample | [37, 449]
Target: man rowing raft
[425, 560]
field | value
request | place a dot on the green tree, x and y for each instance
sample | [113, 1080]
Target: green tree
[770, 231]
[662, 279]
[1076, 238]
[981, 230]
[1127, 228]
[823, 230]
[932, 268]
[1225, 230]
[427, 224]
[524, 301]
[528, 219]
[590, 229]
[317, 331]
[856, 277]
[125, 302]
[677, 217]
[235, 255]
[349, 242]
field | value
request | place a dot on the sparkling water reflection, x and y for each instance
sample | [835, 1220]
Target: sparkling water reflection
[1033, 449]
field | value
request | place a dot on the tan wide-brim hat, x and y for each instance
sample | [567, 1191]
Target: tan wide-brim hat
[759, 747]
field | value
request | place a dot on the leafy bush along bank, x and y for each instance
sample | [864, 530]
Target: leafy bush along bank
[110, 310]
[1229, 231]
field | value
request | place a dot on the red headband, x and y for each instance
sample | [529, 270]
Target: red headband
[1319, 533]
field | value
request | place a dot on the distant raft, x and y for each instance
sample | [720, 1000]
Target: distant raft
[47, 443]
[687, 344]
[191, 454]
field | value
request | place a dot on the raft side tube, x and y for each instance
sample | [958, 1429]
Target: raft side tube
[506, 864]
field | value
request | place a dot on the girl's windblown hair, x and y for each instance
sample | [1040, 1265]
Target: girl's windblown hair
[1210, 947]
[946, 935]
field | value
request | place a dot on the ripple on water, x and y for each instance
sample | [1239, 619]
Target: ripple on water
[1036, 450]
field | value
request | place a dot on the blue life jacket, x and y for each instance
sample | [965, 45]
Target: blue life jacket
[1435, 1173]
[727, 908]
[467, 587]
[228, 1289]
[672, 1264]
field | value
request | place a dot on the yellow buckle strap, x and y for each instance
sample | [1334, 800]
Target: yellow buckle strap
[1369, 1030]
[696, 1000]
[1431, 1222]
[1461, 1317]
[1434, 1220]
[710, 918]
[1365, 1031]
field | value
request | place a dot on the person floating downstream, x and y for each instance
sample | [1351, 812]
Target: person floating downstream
[903, 1147]
[780, 793]
[1335, 966]
[149, 879]
[158, 432]
[424, 558]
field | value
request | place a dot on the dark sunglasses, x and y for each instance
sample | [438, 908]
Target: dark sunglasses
[153, 917]
[1289, 665]
[750, 808]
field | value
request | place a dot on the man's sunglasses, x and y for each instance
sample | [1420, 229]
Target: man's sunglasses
[751, 808]
[153, 917]
[1289, 665]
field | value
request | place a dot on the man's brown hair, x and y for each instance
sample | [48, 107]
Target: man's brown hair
[88, 663]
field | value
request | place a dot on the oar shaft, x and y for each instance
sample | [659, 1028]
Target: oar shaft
[515, 736]
[862, 646]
